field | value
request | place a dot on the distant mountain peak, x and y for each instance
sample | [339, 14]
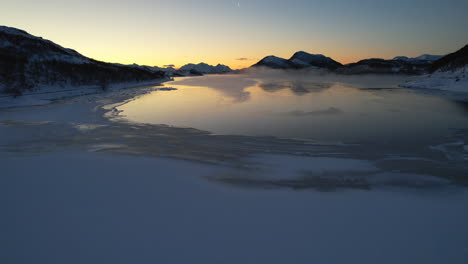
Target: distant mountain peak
[299, 60]
[429, 57]
[273, 62]
[303, 53]
[317, 60]
[204, 68]
[28, 62]
[424, 57]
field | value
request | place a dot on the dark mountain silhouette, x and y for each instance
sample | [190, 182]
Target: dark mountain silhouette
[299, 60]
[399, 65]
[452, 61]
[447, 73]
[381, 66]
[316, 60]
[274, 63]
[28, 62]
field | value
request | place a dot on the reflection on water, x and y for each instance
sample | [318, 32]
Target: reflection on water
[407, 136]
[334, 136]
[297, 87]
[300, 107]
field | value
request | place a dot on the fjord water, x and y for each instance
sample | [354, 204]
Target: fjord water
[405, 134]
[319, 108]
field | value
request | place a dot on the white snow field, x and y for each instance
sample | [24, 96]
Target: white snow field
[79, 185]
[102, 208]
[452, 81]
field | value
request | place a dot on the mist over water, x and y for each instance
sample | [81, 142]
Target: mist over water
[300, 105]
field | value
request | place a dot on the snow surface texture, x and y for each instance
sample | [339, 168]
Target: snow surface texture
[335, 173]
[120, 209]
[106, 208]
[453, 81]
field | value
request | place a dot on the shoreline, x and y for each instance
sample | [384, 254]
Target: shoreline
[51, 94]
[93, 123]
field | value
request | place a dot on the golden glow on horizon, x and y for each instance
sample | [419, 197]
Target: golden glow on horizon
[117, 48]
[161, 54]
[159, 33]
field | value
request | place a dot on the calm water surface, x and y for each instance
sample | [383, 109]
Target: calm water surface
[295, 106]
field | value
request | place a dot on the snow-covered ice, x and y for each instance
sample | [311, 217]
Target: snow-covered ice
[77, 182]
[47, 94]
[106, 208]
[453, 81]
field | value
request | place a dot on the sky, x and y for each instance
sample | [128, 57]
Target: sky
[239, 33]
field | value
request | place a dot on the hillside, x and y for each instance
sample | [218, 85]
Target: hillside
[399, 65]
[32, 63]
[303, 59]
[448, 73]
[453, 61]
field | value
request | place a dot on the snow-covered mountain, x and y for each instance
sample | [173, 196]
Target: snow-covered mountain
[203, 68]
[303, 59]
[448, 73]
[451, 62]
[274, 63]
[37, 48]
[186, 70]
[398, 65]
[299, 60]
[381, 66]
[429, 57]
[424, 57]
[30, 63]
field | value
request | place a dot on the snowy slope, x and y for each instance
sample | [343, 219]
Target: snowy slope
[449, 73]
[33, 64]
[454, 81]
[38, 48]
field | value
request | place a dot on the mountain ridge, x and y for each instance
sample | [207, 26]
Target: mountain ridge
[398, 65]
[204, 68]
[299, 60]
[29, 62]
[448, 73]
[452, 61]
